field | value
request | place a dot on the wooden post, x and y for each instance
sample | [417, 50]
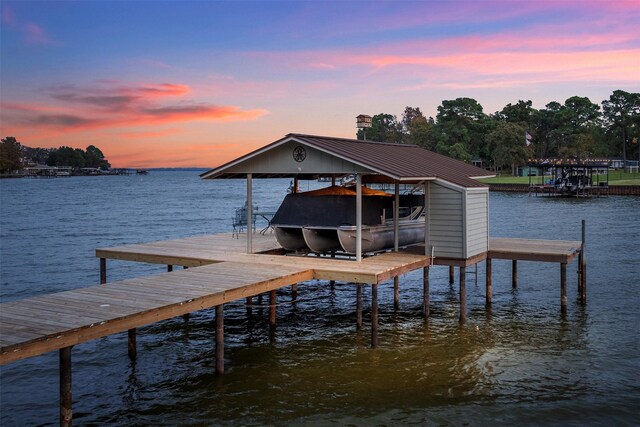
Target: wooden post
[396, 292]
[463, 294]
[563, 287]
[359, 306]
[514, 273]
[489, 292]
[452, 274]
[249, 213]
[583, 265]
[66, 400]
[249, 301]
[396, 217]
[294, 292]
[131, 344]
[272, 309]
[374, 315]
[219, 339]
[103, 271]
[425, 291]
[169, 268]
[358, 217]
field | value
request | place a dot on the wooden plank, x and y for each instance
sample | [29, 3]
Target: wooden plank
[66, 338]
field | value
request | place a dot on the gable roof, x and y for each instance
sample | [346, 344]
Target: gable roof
[401, 162]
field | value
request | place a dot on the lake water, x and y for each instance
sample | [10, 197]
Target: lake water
[520, 363]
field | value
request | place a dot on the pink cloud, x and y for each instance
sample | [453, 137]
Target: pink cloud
[114, 105]
[34, 34]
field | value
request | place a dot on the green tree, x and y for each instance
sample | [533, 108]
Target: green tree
[508, 146]
[417, 128]
[460, 121]
[10, 155]
[622, 112]
[522, 112]
[384, 128]
[94, 158]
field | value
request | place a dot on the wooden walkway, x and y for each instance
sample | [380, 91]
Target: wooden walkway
[218, 272]
[41, 324]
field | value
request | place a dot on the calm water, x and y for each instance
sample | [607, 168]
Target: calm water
[519, 363]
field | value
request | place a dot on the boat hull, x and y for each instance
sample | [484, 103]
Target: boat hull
[321, 239]
[381, 237]
[290, 238]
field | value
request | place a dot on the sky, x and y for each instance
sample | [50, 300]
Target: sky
[199, 83]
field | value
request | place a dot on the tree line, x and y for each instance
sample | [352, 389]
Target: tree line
[14, 156]
[510, 137]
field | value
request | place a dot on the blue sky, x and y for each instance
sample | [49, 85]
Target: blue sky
[196, 83]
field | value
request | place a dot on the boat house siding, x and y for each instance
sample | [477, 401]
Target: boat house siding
[457, 210]
[458, 220]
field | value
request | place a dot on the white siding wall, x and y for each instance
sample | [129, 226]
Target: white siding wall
[446, 221]
[477, 222]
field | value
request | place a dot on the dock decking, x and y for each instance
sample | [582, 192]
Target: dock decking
[218, 271]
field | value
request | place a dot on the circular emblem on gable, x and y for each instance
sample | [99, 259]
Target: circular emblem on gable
[299, 153]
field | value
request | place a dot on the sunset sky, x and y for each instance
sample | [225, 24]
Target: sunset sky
[197, 83]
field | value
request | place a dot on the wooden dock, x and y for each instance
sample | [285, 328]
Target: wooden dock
[218, 271]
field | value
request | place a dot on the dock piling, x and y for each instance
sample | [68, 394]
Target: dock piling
[489, 292]
[425, 291]
[66, 400]
[359, 306]
[103, 271]
[374, 315]
[131, 344]
[582, 261]
[452, 274]
[219, 339]
[563, 287]
[514, 274]
[463, 294]
[396, 292]
[272, 309]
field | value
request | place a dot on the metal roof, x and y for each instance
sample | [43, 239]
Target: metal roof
[391, 162]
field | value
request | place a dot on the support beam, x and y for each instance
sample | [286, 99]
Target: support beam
[219, 339]
[169, 268]
[66, 399]
[396, 217]
[131, 344]
[563, 287]
[452, 274]
[425, 291]
[272, 309]
[514, 274]
[358, 217]
[489, 292]
[427, 218]
[374, 315]
[463, 294]
[249, 213]
[103, 271]
[294, 292]
[583, 265]
[359, 306]
[396, 292]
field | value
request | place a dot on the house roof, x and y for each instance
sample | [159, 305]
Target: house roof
[378, 161]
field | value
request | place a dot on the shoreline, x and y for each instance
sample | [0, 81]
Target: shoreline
[613, 190]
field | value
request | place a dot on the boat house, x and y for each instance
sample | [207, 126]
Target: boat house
[456, 204]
